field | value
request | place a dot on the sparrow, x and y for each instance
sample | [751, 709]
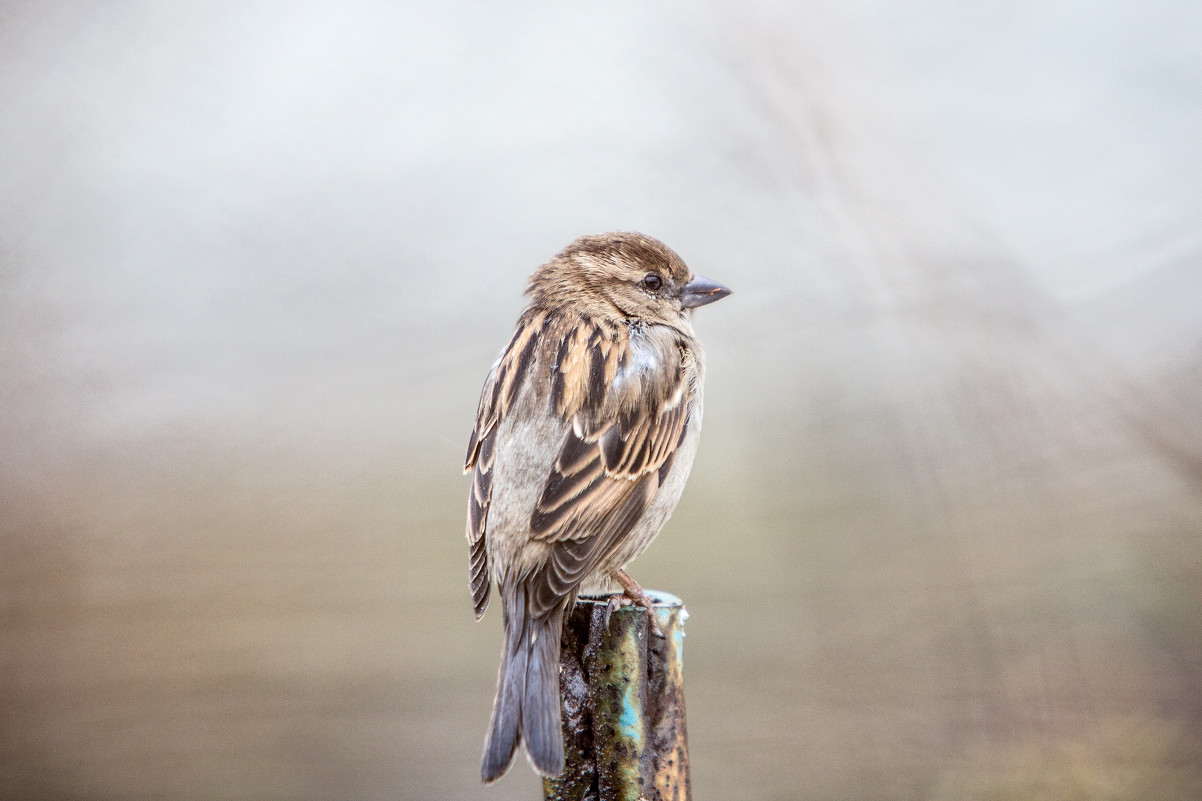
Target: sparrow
[585, 434]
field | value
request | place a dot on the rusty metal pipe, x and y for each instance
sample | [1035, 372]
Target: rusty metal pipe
[622, 690]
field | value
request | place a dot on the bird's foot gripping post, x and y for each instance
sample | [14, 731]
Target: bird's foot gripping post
[622, 691]
[634, 592]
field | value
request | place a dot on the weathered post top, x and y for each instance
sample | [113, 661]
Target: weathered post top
[622, 689]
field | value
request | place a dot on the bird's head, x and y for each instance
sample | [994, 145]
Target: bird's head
[625, 276]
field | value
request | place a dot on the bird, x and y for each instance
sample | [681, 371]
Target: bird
[584, 437]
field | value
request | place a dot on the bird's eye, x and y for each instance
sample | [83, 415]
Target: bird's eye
[652, 281]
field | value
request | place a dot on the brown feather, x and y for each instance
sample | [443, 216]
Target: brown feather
[500, 390]
[609, 468]
[573, 558]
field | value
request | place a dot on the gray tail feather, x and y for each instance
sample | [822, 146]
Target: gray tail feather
[540, 705]
[527, 704]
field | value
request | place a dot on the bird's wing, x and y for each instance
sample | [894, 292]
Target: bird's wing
[608, 470]
[500, 390]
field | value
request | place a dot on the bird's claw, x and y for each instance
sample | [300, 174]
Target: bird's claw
[654, 621]
[617, 599]
[613, 603]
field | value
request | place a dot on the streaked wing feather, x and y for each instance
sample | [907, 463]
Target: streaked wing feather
[593, 473]
[603, 480]
[571, 560]
[477, 517]
[501, 388]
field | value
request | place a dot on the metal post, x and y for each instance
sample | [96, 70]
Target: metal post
[623, 705]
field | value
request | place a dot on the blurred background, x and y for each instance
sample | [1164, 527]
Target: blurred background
[942, 537]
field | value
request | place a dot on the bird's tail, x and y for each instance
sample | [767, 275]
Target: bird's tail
[527, 704]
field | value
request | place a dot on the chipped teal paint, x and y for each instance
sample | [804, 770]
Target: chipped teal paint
[618, 707]
[667, 608]
[632, 716]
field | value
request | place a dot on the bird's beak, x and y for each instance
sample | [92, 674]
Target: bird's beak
[701, 291]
